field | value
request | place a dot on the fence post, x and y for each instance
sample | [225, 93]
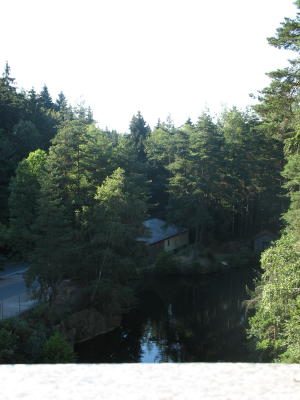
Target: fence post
[19, 304]
[1, 309]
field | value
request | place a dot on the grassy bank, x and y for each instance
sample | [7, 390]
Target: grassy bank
[191, 261]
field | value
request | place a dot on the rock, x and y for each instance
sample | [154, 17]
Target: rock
[67, 293]
[86, 324]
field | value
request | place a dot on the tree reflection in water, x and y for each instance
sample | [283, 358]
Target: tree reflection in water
[180, 320]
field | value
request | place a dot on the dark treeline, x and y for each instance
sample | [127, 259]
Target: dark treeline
[28, 121]
[219, 178]
[73, 197]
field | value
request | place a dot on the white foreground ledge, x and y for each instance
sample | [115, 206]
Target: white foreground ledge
[201, 381]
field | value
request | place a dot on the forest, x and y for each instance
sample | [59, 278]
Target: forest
[73, 198]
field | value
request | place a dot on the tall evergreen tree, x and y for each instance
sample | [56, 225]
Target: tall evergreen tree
[61, 201]
[45, 99]
[7, 79]
[194, 178]
[275, 324]
[139, 131]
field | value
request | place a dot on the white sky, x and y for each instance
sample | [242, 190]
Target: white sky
[157, 56]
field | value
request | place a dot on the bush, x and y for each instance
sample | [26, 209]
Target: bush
[17, 343]
[166, 263]
[8, 346]
[58, 350]
[23, 340]
[275, 326]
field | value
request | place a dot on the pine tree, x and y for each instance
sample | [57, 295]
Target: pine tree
[7, 79]
[45, 99]
[139, 131]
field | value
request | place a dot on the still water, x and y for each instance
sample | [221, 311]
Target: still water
[180, 320]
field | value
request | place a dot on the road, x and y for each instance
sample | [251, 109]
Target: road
[12, 286]
[11, 269]
[14, 296]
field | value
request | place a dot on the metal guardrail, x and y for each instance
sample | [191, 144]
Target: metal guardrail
[15, 305]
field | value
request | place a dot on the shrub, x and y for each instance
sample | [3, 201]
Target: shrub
[58, 350]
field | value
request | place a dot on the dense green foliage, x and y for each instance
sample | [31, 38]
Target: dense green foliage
[34, 339]
[58, 350]
[275, 323]
[220, 179]
[88, 213]
[28, 121]
[16, 342]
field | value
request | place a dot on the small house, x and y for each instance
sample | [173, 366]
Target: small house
[263, 240]
[159, 236]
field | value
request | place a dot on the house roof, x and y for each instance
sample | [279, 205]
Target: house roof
[158, 230]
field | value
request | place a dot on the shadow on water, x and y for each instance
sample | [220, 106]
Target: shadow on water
[180, 320]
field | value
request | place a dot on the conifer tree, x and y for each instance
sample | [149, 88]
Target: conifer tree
[139, 131]
[45, 99]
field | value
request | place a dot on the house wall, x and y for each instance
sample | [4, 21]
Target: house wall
[177, 241]
[155, 248]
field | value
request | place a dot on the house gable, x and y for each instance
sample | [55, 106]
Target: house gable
[164, 236]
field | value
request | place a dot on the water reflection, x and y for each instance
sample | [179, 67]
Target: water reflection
[179, 320]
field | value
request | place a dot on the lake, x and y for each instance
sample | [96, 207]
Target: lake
[180, 319]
